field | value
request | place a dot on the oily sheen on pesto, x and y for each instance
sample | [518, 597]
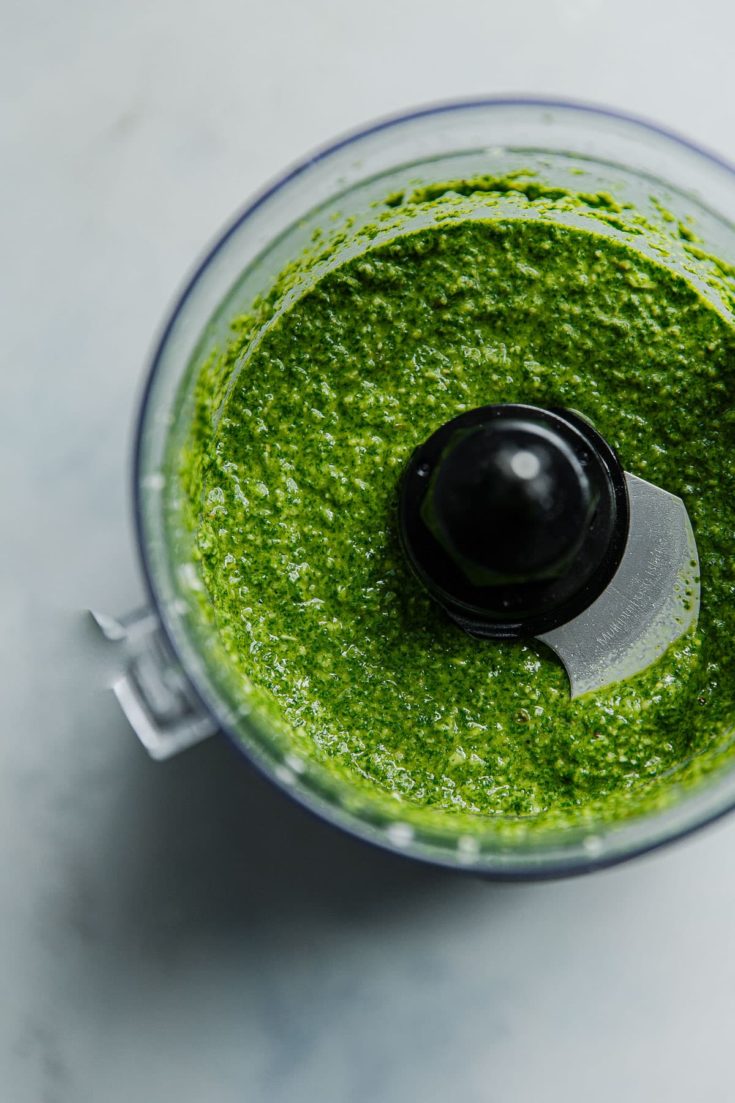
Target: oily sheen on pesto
[291, 488]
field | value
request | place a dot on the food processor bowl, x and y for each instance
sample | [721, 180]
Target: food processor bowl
[177, 687]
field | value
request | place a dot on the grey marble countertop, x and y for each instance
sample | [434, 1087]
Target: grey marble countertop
[182, 932]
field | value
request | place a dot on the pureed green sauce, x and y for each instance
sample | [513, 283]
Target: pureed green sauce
[304, 425]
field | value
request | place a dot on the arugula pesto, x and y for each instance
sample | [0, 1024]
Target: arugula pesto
[305, 423]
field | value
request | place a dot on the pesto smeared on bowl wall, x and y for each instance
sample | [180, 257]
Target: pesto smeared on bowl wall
[461, 295]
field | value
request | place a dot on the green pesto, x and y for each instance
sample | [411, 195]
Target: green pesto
[291, 476]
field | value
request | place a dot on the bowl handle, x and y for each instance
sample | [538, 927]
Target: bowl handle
[152, 689]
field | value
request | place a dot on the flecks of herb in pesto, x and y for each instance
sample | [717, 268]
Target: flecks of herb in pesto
[293, 498]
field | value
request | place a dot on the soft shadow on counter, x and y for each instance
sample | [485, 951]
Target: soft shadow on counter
[202, 849]
[207, 841]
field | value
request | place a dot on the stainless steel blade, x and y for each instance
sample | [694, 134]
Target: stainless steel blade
[652, 600]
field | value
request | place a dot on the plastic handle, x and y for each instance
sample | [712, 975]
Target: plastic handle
[153, 690]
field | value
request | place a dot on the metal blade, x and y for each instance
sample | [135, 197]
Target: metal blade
[652, 600]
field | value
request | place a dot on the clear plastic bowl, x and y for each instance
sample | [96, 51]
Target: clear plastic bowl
[624, 156]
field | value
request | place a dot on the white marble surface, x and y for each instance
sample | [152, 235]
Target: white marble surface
[182, 932]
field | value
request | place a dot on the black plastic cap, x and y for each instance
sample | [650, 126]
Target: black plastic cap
[515, 518]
